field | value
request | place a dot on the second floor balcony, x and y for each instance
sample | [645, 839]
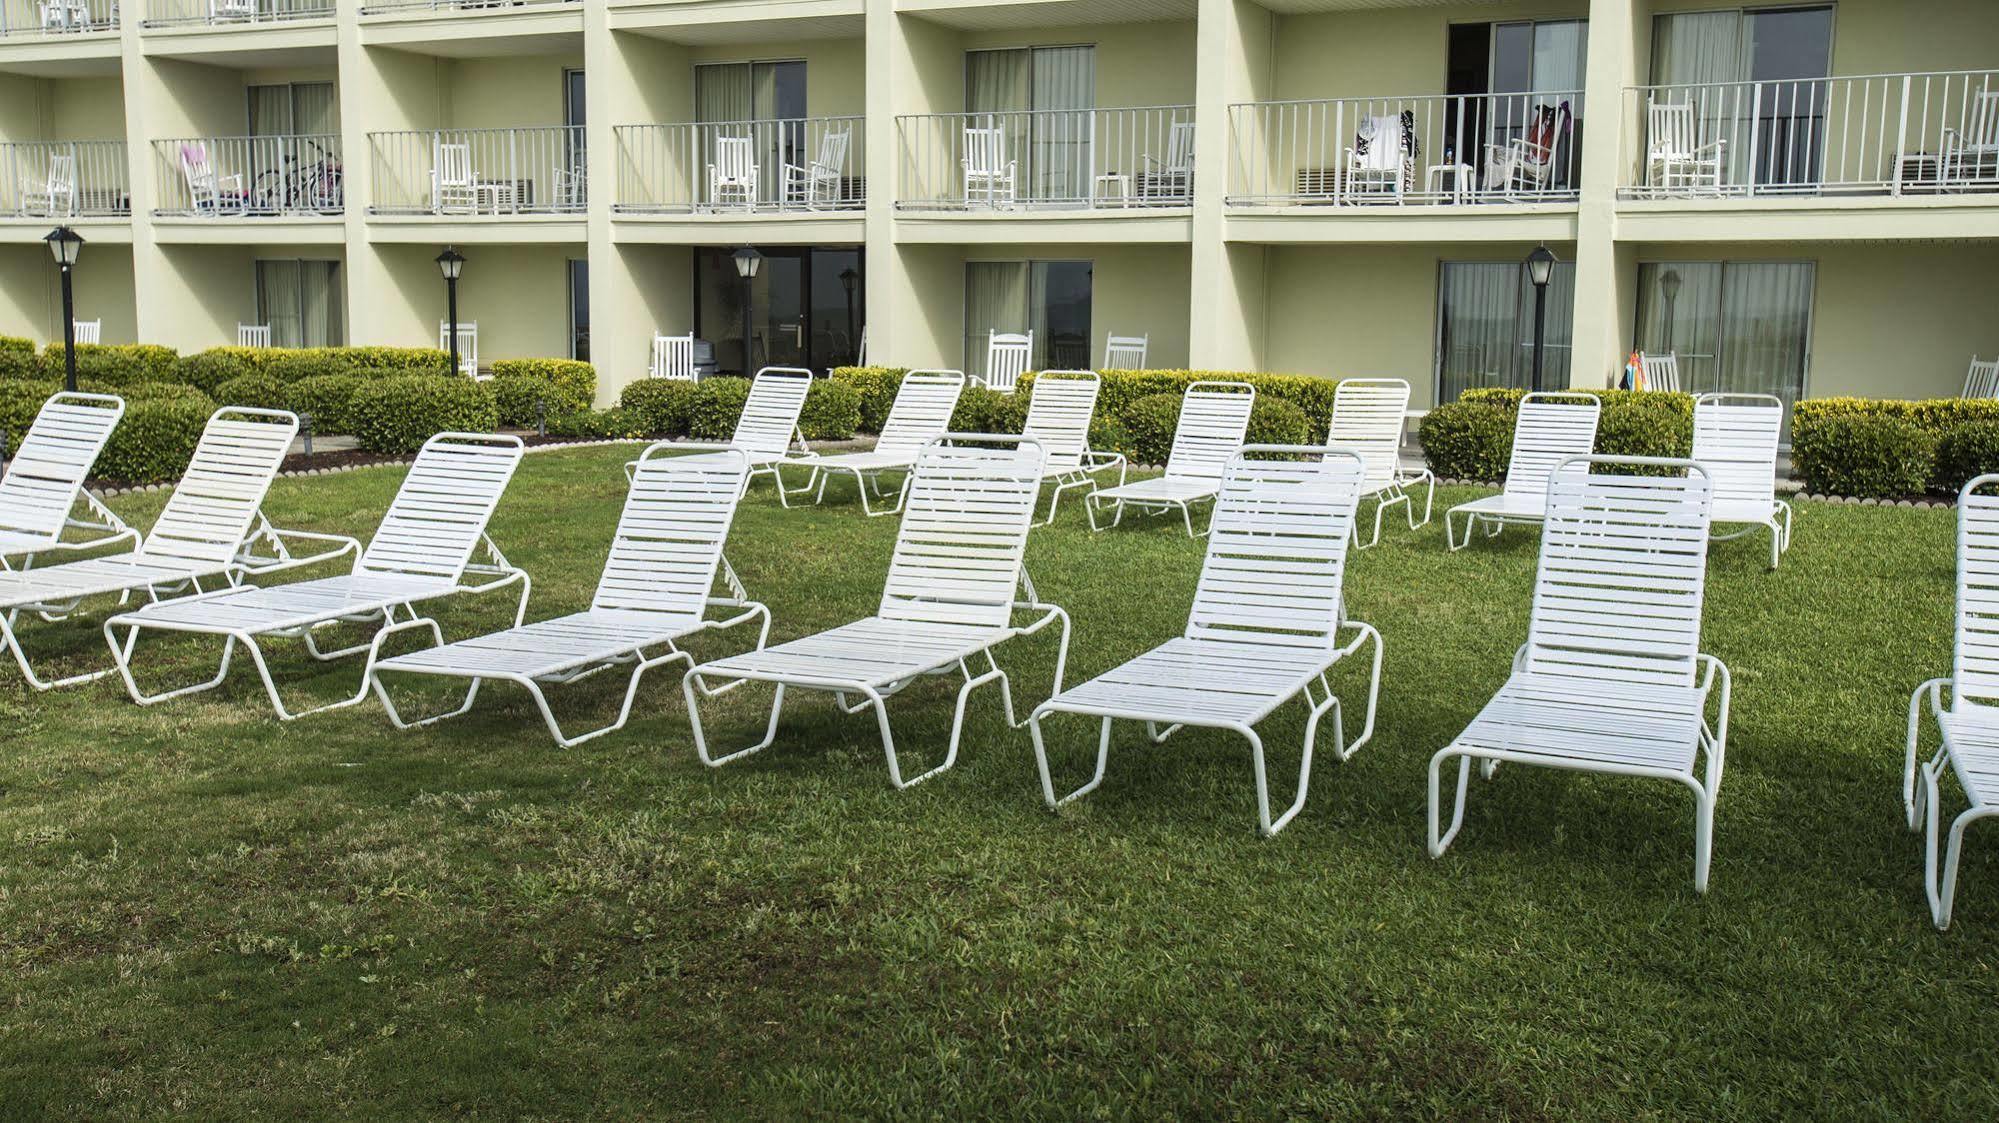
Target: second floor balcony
[65, 179]
[479, 173]
[231, 13]
[1881, 134]
[412, 7]
[800, 165]
[249, 176]
[32, 18]
[1459, 149]
[1105, 160]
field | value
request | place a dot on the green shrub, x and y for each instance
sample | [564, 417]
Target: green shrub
[16, 345]
[16, 363]
[153, 391]
[258, 390]
[398, 413]
[663, 406]
[20, 401]
[392, 361]
[1646, 425]
[832, 411]
[211, 368]
[599, 425]
[877, 387]
[717, 404]
[329, 398]
[981, 410]
[1275, 421]
[1966, 451]
[1867, 455]
[1148, 428]
[562, 386]
[155, 440]
[116, 364]
[1467, 440]
[1108, 434]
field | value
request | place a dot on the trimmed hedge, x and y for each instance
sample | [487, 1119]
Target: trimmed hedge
[22, 362]
[155, 440]
[398, 414]
[211, 368]
[877, 387]
[1275, 421]
[113, 364]
[663, 406]
[717, 405]
[1872, 456]
[20, 401]
[16, 345]
[1958, 444]
[599, 425]
[988, 411]
[832, 411]
[259, 391]
[1148, 428]
[1966, 451]
[1472, 438]
[328, 398]
[561, 386]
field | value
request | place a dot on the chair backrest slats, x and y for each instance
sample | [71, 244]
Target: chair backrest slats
[454, 165]
[1214, 417]
[1617, 598]
[1007, 357]
[1975, 670]
[88, 331]
[253, 335]
[673, 356]
[1059, 415]
[669, 538]
[735, 159]
[1735, 439]
[985, 151]
[1368, 416]
[1669, 127]
[441, 511]
[833, 150]
[1662, 372]
[922, 410]
[1180, 146]
[1125, 352]
[1276, 559]
[959, 550]
[212, 507]
[770, 414]
[47, 472]
[1982, 380]
[1550, 428]
[468, 344]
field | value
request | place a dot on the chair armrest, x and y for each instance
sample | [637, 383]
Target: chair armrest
[1716, 672]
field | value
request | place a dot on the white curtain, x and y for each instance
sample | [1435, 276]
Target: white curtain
[1689, 324]
[997, 81]
[1478, 309]
[315, 111]
[278, 301]
[1064, 96]
[1709, 51]
[1556, 342]
[319, 304]
[1766, 310]
[996, 299]
[722, 92]
[1559, 47]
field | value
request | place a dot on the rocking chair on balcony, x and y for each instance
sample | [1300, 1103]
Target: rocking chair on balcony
[1971, 154]
[732, 177]
[209, 192]
[1381, 163]
[1675, 162]
[53, 196]
[817, 182]
[1527, 164]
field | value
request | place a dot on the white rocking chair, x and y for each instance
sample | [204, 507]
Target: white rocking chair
[673, 357]
[1125, 352]
[989, 176]
[817, 182]
[53, 195]
[1982, 380]
[732, 177]
[253, 335]
[1971, 154]
[1676, 163]
[468, 346]
[1007, 358]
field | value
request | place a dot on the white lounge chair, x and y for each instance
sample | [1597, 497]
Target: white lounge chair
[1007, 357]
[1735, 439]
[655, 592]
[253, 335]
[817, 182]
[921, 413]
[422, 552]
[1971, 153]
[1058, 416]
[949, 601]
[767, 430]
[1676, 163]
[989, 176]
[1266, 624]
[89, 332]
[211, 530]
[1662, 372]
[733, 173]
[44, 482]
[1969, 729]
[1982, 380]
[1550, 428]
[1125, 352]
[1214, 416]
[1612, 679]
[468, 346]
[1368, 417]
[52, 195]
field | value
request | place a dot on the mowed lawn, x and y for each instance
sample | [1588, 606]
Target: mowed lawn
[207, 913]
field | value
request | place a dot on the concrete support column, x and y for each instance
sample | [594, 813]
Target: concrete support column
[1232, 65]
[1604, 275]
[362, 94]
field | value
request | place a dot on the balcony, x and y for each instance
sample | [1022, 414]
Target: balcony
[805, 165]
[1097, 160]
[1456, 150]
[232, 13]
[479, 172]
[65, 179]
[249, 176]
[411, 6]
[1891, 135]
[34, 18]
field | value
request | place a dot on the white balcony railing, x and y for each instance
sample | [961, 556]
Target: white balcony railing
[180, 13]
[1082, 158]
[802, 164]
[64, 179]
[246, 176]
[1889, 134]
[1472, 148]
[383, 6]
[57, 17]
[473, 172]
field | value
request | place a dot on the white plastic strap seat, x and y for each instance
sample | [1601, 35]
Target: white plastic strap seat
[423, 551]
[1611, 679]
[1549, 429]
[211, 528]
[44, 481]
[1266, 625]
[656, 590]
[1059, 416]
[1214, 417]
[922, 412]
[1969, 727]
[1368, 417]
[1735, 438]
[955, 585]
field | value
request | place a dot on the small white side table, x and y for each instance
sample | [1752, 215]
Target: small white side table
[1112, 185]
[1461, 184]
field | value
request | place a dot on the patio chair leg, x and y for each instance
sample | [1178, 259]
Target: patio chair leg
[1041, 762]
[1703, 836]
[1911, 794]
[121, 656]
[12, 642]
[1451, 533]
[1265, 825]
[1429, 502]
[1159, 735]
[690, 684]
[1942, 891]
[1438, 842]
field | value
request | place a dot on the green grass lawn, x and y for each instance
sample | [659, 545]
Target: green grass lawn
[206, 913]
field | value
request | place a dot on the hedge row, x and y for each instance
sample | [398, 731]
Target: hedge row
[129, 364]
[1472, 438]
[708, 410]
[153, 442]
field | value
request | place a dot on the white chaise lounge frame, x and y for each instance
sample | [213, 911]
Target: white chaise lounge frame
[44, 482]
[955, 584]
[1611, 679]
[1549, 429]
[1368, 417]
[1214, 419]
[212, 528]
[924, 403]
[657, 588]
[423, 551]
[1058, 415]
[767, 431]
[1266, 625]
[1736, 438]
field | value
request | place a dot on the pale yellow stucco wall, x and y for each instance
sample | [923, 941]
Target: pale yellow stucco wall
[519, 294]
[1389, 52]
[1137, 64]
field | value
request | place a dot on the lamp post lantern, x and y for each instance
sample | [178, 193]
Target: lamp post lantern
[848, 279]
[748, 261]
[64, 245]
[451, 263]
[1540, 269]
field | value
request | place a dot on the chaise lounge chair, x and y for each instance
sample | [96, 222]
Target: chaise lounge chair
[655, 592]
[44, 482]
[922, 411]
[1368, 416]
[1735, 439]
[1550, 428]
[1214, 416]
[1265, 626]
[1059, 416]
[422, 552]
[767, 431]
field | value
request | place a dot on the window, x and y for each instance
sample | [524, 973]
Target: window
[738, 93]
[579, 309]
[808, 307]
[1044, 98]
[1737, 326]
[300, 300]
[1520, 79]
[1485, 327]
[1049, 298]
[1788, 51]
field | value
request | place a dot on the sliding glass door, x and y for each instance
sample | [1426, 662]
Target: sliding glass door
[1049, 298]
[1485, 327]
[750, 94]
[1045, 99]
[807, 308]
[1758, 83]
[300, 300]
[1737, 326]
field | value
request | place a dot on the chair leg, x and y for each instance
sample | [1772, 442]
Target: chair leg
[1703, 836]
[1438, 842]
[1265, 825]
[1041, 762]
[1942, 890]
[12, 642]
[692, 683]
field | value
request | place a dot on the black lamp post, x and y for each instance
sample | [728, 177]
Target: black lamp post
[65, 244]
[848, 279]
[1669, 287]
[451, 263]
[748, 261]
[1540, 269]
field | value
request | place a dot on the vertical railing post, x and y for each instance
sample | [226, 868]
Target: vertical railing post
[1902, 133]
[1755, 131]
